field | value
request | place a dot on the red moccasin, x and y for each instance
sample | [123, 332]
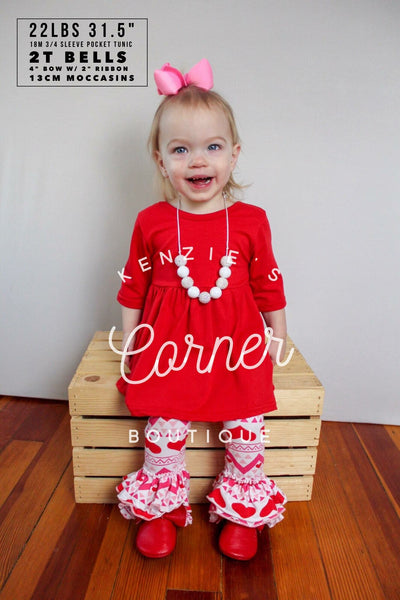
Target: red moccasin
[237, 541]
[156, 538]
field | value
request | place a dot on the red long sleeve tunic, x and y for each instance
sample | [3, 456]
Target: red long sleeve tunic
[193, 361]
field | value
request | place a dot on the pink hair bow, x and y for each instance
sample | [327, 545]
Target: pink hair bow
[169, 80]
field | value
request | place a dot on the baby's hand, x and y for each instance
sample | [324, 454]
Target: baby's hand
[128, 349]
[277, 350]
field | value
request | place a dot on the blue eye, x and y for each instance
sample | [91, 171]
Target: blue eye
[179, 150]
[214, 147]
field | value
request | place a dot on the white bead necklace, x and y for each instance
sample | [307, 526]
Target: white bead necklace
[183, 272]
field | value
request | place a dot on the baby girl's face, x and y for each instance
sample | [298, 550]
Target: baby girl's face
[197, 155]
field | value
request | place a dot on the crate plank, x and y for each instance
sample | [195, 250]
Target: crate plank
[102, 489]
[101, 398]
[114, 462]
[114, 433]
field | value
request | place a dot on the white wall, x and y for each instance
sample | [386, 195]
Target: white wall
[315, 87]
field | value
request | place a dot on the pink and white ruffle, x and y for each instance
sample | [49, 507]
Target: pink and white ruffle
[252, 503]
[147, 496]
[242, 493]
[162, 484]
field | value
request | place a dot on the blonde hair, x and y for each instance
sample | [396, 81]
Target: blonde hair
[191, 97]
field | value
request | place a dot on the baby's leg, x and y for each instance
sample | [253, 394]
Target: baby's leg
[162, 484]
[243, 493]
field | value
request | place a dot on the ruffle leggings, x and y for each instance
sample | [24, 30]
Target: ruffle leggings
[241, 493]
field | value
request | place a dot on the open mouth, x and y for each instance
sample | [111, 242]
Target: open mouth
[200, 181]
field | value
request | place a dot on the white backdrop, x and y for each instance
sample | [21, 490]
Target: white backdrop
[315, 87]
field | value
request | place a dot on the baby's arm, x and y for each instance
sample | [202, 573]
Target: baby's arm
[130, 320]
[276, 319]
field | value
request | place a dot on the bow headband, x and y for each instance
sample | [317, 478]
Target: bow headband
[169, 80]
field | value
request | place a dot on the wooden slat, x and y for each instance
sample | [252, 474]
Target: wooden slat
[102, 489]
[114, 433]
[293, 538]
[205, 463]
[20, 514]
[187, 573]
[384, 455]
[76, 553]
[394, 433]
[371, 506]
[14, 461]
[42, 543]
[4, 400]
[188, 595]
[138, 577]
[13, 415]
[101, 398]
[348, 567]
[106, 567]
[242, 578]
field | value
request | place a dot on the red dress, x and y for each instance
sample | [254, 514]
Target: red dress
[201, 377]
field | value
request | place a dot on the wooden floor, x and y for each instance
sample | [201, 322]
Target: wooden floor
[344, 544]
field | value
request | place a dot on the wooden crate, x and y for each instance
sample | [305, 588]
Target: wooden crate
[103, 451]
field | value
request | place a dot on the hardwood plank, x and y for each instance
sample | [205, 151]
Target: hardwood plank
[394, 432]
[68, 571]
[185, 595]
[14, 460]
[139, 577]
[114, 433]
[197, 540]
[84, 400]
[301, 394]
[4, 400]
[115, 462]
[24, 506]
[106, 567]
[42, 543]
[298, 567]
[13, 415]
[254, 579]
[385, 456]
[42, 421]
[349, 570]
[375, 515]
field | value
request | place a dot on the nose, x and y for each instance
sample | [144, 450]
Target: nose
[197, 158]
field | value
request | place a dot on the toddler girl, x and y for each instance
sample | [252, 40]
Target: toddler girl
[200, 274]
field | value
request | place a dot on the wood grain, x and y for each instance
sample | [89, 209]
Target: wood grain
[349, 570]
[139, 577]
[254, 579]
[185, 595]
[26, 503]
[376, 518]
[15, 459]
[42, 544]
[115, 462]
[342, 545]
[394, 433]
[385, 457]
[299, 571]
[114, 433]
[186, 572]
[106, 567]
[67, 572]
